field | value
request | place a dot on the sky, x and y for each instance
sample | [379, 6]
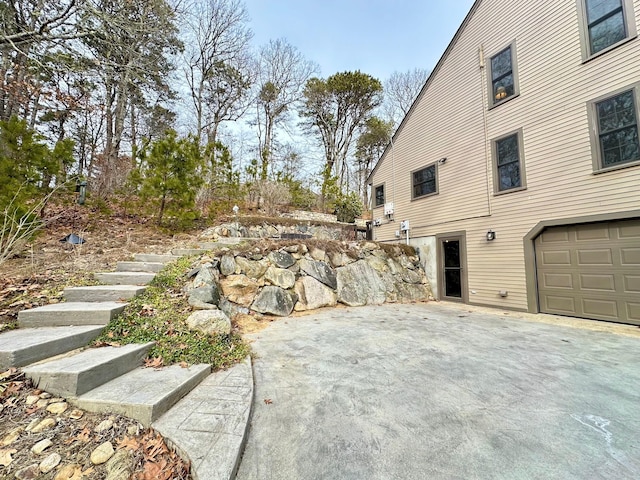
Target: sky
[376, 37]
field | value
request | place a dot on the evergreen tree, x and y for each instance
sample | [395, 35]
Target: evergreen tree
[170, 177]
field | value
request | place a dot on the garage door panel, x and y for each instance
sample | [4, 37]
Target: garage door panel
[633, 312]
[557, 280]
[554, 236]
[561, 304]
[631, 284]
[592, 232]
[630, 230]
[591, 270]
[556, 257]
[598, 282]
[630, 256]
[601, 256]
[599, 308]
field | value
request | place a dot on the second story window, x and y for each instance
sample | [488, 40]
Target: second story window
[424, 182]
[502, 74]
[508, 166]
[605, 23]
[616, 138]
[378, 200]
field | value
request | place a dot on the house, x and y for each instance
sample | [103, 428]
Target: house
[517, 170]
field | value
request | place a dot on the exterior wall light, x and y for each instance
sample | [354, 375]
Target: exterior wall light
[491, 236]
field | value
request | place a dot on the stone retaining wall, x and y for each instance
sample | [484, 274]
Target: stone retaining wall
[339, 231]
[297, 278]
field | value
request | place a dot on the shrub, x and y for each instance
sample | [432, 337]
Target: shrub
[348, 207]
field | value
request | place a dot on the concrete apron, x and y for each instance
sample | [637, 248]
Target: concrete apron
[441, 392]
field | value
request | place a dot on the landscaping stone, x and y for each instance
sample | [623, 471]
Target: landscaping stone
[199, 305]
[320, 271]
[251, 268]
[318, 254]
[411, 276]
[28, 473]
[312, 294]
[45, 424]
[69, 472]
[57, 408]
[227, 265]
[210, 322]
[274, 301]
[41, 446]
[280, 277]
[76, 414]
[239, 289]
[11, 437]
[49, 463]
[281, 259]
[104, 425]
[359, 284]
[377, 263]
[102, 453]
[205, 294]
[31, 399]
[207, 276]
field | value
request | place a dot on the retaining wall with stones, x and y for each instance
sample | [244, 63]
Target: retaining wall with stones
[298, 277]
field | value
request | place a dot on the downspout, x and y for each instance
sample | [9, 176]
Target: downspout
[487, 152]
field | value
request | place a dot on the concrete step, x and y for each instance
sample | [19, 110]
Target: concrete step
[77, 374]
[144, 393]
[152, 257]
[102, 293]
[70, 313]
[153, 267]
[124, 278]
[182, 252]
[28, 345]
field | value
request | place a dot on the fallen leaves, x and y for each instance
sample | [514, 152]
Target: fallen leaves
[268, 401]
[156, 362]
[5, 456]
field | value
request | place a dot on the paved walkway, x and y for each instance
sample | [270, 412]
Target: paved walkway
[440, 392]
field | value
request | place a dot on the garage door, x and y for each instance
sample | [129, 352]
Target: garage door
[591, 270]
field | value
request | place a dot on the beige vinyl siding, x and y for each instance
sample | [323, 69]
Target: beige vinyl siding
[448, 121]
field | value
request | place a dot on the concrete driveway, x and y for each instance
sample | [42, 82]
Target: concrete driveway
[440, 391]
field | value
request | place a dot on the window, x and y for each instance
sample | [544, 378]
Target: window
[502, 75]
[424, 181]
[508, 166]
[605, 23]
[615, 136]
[379, 196]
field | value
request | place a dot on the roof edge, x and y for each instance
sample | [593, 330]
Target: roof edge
[432, 75]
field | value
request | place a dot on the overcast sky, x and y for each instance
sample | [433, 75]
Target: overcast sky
[376, 37]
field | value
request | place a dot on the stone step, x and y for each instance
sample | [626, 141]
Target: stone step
[124, 278]
[102, 293]
[152, 257]
[28, 345]
[70, 313]
[77, 374]
[183, 252]
[153, 267]
[144, 393]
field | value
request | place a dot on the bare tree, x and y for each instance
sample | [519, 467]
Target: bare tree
[218, 69]
[400, 91]
[131, 46]
[282, 73]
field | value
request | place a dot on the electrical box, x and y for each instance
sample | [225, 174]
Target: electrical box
[388, 208]
[377, 222]
[404, 225]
